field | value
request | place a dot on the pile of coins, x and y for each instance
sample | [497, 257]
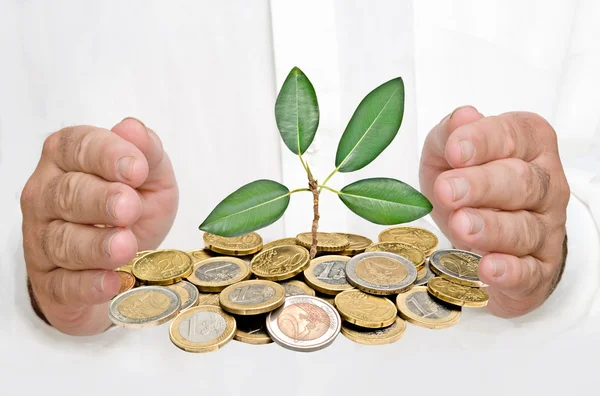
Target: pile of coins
[238, 288]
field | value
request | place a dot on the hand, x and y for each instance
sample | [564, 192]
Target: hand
[94, 200]
[498, 188]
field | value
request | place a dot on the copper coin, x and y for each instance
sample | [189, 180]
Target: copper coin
[127, 281]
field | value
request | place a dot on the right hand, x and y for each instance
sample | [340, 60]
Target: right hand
[94, 200]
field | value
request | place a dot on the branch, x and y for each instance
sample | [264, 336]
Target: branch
[313, 187]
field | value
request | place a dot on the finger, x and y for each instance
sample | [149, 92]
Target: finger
[509, 184]
[81, 247]
[97, 151]
[515, 277]
[518, 233]
[160, 174]
[88, 199]
[511, 135]
[80, 288]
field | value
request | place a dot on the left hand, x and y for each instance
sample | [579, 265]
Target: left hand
[498, 188]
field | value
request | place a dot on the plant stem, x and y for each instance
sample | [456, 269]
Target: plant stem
[313, 186]
[321, 187]
[298, 190]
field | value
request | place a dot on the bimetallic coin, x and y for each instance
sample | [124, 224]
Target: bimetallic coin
[215, 274]
[280, 242]
[326, 241]
[252, 329]
[381, 273]
[457, 266]
[423, 280]
[358, 244]
[200, 255]
[236, 246]
[202, 329]
[127, 281]
[386, 335]
[297, 288]
[457, 294]
[419, 308]
[146, 306]
[280, 263]
[327, 274]
[423, 239]
[304, 324]
[409, 252]
[252, 297]
[163, 267]
[188, 294]
[365, 310]
[208, 299]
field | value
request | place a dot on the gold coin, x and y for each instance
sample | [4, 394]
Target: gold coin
[358, 244]
[235, 246]
[127, 281]
[327, 274]
[409, 252]
[280, 262]
[326, 241]
[129, 266]
[187, 292]
[252, 297]
[200, 255]
[423, 239]
[297, 288]
[422, 273]
[386, 335]
[202, 329]
[457, 294]
[365, 310]
[163, 267]
[146, 306]
[280, 242]
[418, 307]
[457, 266]
[327, 298]
[208, 299]
[252, 330]
[215, 274]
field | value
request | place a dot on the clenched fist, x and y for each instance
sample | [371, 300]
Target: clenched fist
[94, 200]
[498, 188]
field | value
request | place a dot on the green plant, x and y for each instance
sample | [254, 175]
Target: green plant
[371, 129]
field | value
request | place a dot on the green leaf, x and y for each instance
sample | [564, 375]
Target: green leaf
[297, 112]
[249, 208]
[372, 127]
[385, 201]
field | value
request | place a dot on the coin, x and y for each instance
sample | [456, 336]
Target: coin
[365, 310]
[419, 308]
[419, 237]
[297, 288]
[202, 329]
[200, 255]
[280, 242]
[327, 274]
[252, 329]
[358, 244]
[423, 280]
[208, 299]
[326, 241]
[304, 324]
[381, 273]
[127, 281]
[386, 335]
[129, 266]
[145, 306]
[421, 273]
[252, 297]
[457, 266]
[215, 274]
[235, 246]
[457, 294]
[187, 292]
[327, 298]
[409, 252]
[280, 263]
[163, 267]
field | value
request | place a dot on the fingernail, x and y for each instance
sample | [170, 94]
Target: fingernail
[99, 282]
[499, 268]
[125, 166]
[106, 243]
[460, 188]
[476, 223]
[111, 204]
[135, 119]
[467, 150]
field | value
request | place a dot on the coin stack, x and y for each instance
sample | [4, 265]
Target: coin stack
[238, 288]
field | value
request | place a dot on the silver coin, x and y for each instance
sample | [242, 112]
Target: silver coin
[202, 327]
[145, 306]
[187, 292]
[458, 266]
[423, 281]
[331, 272]
[304, 324]
[251, 294]
[381, 273]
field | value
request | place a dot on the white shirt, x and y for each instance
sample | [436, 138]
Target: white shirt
[205, 75]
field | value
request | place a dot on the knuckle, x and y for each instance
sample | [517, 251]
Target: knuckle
[28, 195]
[540, 181]
[67, 191]
[51, 143]
[509, 135]
[52, 283]
[534, 281]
